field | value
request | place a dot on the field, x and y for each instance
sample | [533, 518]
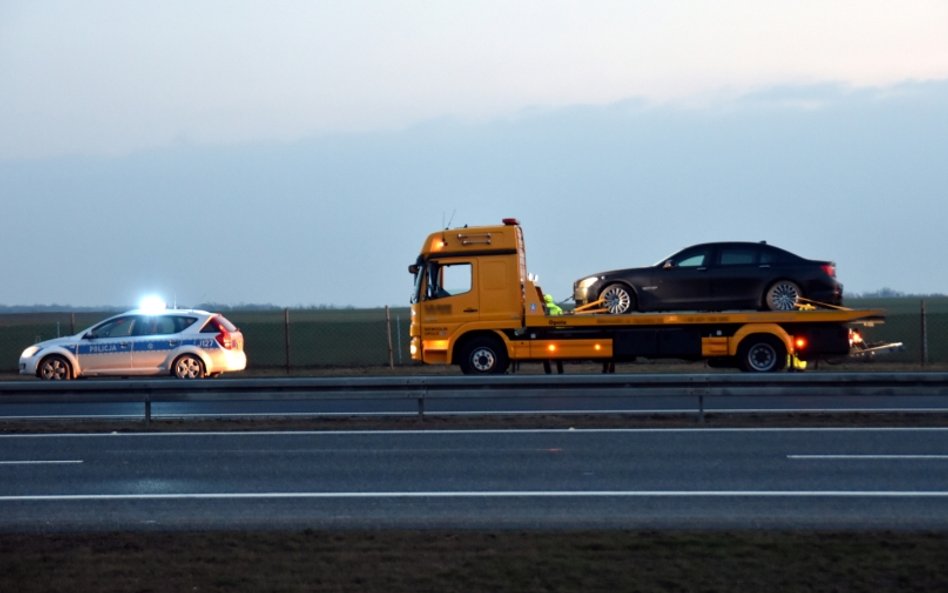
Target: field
[315, 339]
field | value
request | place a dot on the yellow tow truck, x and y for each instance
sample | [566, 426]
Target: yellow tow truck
[475, 305]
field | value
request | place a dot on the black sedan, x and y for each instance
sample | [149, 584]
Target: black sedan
[715, 277]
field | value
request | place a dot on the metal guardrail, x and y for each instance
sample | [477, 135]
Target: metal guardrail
[422, 389]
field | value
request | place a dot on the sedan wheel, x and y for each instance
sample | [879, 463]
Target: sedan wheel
[783, 296]
[617, 299]
[188, 367]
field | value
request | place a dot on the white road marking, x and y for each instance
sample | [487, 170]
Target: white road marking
[284, 433]
[41, 462]
[486, 494]
[860, 457]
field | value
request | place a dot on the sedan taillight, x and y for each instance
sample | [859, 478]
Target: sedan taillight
[830, 270]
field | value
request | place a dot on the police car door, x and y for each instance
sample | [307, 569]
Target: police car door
[107, 348]
[151, 345]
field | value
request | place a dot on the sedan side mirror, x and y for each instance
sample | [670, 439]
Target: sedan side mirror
[668, 264]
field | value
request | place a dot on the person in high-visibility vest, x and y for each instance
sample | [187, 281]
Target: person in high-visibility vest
[551, 307]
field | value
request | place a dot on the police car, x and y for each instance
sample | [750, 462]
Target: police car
[186, 343]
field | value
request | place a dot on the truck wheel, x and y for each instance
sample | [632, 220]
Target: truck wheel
[618, 299]
[484, 356]
[54, 368]
[783, 295]
[761, 354]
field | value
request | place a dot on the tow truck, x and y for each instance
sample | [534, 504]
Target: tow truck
[475, 305]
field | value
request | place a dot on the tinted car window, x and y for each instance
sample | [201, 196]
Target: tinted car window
[737, 256]
[691, 258]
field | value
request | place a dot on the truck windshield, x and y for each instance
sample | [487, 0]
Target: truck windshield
[429, 276]
[419, 272]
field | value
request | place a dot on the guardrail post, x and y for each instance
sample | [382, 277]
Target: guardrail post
[421, 404]
[147, 408]
[700, 388]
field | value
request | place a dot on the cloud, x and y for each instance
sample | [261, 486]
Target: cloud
[336, 218]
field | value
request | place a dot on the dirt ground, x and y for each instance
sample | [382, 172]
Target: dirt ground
[522, 562]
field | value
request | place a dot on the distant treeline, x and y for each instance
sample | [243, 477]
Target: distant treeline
[889, 293]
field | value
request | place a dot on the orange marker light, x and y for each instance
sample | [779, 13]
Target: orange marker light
[551, 347]
[800, 343]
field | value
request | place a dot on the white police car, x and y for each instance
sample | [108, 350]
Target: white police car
[187, 343]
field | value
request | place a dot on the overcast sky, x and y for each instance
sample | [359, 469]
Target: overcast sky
[296, 153]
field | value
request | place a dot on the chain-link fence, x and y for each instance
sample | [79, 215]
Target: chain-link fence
[296, 339]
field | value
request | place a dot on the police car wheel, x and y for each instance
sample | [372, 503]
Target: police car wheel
[188, 366]
[55, 368]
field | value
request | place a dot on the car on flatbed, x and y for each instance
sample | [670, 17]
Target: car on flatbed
[185, 343]
[715, 277]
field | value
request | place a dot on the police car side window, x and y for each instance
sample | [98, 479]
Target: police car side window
[117, 328]
[181, 323]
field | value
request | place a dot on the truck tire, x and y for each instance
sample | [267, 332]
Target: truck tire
[484, 355]
[761, 353]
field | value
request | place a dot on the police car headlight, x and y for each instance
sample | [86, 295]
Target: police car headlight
[30, 352]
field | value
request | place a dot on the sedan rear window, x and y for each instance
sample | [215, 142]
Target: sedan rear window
[738, 256]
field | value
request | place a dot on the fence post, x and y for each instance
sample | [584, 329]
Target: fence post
[398, 333]
[72, 323]
[286, 337]
[388, 327]
[924, 335]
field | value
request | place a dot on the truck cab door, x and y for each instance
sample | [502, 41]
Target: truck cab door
[449, 297]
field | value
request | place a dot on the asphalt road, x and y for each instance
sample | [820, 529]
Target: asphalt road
[547, 479]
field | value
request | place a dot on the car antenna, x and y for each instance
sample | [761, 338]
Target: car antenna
[450, 220]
